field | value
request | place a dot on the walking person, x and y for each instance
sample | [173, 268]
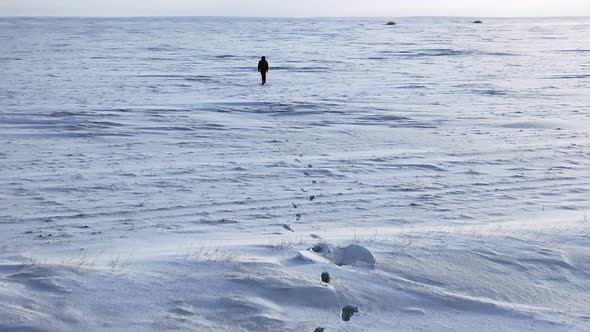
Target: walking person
[263, 69]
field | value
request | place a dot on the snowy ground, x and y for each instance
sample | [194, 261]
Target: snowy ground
[148, 183]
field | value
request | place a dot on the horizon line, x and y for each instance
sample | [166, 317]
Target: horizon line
[288, 17]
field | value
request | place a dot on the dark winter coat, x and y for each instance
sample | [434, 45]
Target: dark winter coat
[263, 66]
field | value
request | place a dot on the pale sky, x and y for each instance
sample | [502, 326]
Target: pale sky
[292, 8]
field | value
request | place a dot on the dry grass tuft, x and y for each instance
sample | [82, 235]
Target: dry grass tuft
[212, 254]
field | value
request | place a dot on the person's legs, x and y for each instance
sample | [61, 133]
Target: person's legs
[263, 78]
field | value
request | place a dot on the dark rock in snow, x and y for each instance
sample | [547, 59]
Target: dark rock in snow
[322, 248]
[348, 311]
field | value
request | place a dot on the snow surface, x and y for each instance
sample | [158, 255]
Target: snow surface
[148, 182]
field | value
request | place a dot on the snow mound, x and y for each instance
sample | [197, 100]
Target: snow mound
[352, 254]
[32, 298]
[540, 124]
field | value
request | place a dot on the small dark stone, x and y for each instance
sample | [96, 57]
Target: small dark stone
[325, 277]
[320, 247]
[312, 197]
[319, 329]
[391, 23]
[348, 311]
[478, 22]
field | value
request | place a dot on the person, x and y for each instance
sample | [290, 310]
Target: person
[263, 69]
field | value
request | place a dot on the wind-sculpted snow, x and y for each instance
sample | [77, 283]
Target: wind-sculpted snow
[148, 182]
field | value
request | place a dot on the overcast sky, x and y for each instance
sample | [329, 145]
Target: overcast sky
[356, 8]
